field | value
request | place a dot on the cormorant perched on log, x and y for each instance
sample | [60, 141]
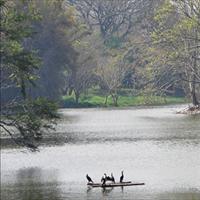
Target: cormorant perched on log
[105, 177]
[103, 180]
[88, 178]
[122, 177]
[108, 178]
[112, 178]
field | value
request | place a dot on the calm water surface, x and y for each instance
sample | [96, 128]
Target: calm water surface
[152, 145]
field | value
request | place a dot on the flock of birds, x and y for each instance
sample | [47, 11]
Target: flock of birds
[107, 178]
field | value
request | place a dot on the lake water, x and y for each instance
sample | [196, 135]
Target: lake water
[152, 145]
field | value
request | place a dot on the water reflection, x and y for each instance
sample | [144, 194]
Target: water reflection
[154, 146]
[32, 184]
[178, 196]
[106, 191]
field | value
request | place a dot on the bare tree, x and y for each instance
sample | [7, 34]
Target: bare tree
[111, 75]
[82, 74]
[113, 17]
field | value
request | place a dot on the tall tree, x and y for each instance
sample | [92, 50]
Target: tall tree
[176, 43]
[111, 72]
[22, 118]
[54, 38]
[82, 76]
[114, 18]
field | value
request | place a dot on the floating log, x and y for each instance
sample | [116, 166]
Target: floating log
[123, 184]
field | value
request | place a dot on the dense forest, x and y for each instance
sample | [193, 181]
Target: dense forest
[56, 48]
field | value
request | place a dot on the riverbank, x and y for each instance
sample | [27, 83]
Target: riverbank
[192, 110]
[125, 100]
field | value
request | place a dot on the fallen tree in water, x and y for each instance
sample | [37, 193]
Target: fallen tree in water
[190, 110]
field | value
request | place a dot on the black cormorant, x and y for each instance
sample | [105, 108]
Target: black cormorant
[103, 180]
[108, 178]
[122, 177]
[89, 179]
[112, 178]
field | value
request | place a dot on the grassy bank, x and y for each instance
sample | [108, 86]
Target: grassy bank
[95, 99]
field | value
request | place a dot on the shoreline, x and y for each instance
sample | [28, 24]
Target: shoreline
[94, 99]
[190, 110]
[139, 106]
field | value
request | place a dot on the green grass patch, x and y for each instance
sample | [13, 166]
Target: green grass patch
[94, 98]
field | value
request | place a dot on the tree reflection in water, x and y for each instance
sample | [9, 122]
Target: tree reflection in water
[30, 185]
[106, 191]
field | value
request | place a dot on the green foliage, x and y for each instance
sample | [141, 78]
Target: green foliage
[29, 120]
[175, 48]
[24, 119]
[54, 42]
[44, 108]
[113, 42]
[165, 10]
[16, 60]
[94, 98]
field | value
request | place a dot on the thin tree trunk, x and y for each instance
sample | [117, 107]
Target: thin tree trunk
[115, 99]
[194, 97]
[77, 95]
[106, 100]
[193, 91]
[23, 88]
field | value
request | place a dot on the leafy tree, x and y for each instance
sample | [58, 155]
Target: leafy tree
[54, 38]
[114, 18]
[82, 76]
[119, 24]
[176, 44]
[22, 118]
